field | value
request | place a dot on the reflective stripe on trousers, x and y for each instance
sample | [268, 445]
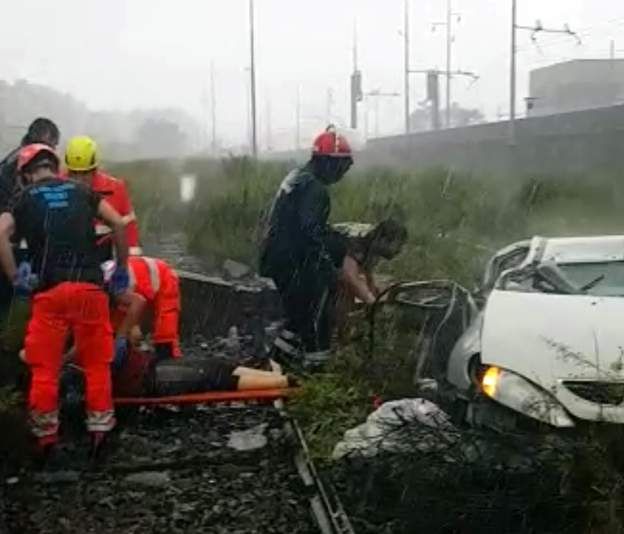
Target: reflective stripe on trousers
[44, 424]
[100, 421]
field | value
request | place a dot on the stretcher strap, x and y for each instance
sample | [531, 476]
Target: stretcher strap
[210, 397]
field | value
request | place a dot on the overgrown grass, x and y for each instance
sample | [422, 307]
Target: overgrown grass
[456, 220]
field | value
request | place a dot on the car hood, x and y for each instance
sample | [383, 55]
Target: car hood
[570, 345]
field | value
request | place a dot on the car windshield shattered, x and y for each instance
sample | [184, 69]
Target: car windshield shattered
[597, 279]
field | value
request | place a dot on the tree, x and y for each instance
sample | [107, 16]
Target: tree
[160, 138]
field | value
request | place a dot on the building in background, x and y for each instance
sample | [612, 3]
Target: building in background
[576, 85]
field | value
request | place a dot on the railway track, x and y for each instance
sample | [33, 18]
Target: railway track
[234, 469]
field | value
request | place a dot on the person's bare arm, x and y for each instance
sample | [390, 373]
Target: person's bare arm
[135, 307]
[110, 216]
[352, 276]
[7, 260]
[370, 281]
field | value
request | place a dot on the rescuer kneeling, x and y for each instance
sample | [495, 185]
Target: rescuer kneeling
[55, 217]
[138, 372]
[154, 287]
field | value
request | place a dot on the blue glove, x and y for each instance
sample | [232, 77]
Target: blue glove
[119, 281]
[121, 352]
[25, 281]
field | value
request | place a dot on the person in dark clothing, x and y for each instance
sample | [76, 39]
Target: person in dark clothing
[145, 374]
[14, 312]
[303, 255]
[41, 130]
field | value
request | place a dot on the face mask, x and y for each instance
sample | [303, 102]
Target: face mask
[330, 170]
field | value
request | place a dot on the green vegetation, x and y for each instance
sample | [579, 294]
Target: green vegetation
[456, 220]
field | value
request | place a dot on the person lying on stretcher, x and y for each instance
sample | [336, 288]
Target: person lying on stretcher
[154, 287]
[138, 371]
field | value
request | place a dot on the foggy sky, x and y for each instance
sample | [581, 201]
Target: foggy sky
[124, 54]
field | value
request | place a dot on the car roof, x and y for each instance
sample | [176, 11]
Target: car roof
[591, 249]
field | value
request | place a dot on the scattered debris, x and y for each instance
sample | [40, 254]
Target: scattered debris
[151, 479]
[384, 429]
[58, 477]
[149, 483]
[248, 440]
[234, 270]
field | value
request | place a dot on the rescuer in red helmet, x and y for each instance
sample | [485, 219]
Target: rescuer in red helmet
[303, 255]
[55, 217]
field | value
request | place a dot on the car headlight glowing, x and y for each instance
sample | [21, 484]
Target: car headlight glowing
[489, 382]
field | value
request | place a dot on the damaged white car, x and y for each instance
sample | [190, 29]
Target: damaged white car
[548, 343]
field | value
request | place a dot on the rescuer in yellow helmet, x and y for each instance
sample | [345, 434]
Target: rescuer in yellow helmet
[82, 159]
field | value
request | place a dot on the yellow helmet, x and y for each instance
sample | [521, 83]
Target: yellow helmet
[82, 154]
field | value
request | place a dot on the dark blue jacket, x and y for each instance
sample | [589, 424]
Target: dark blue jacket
[297, 233]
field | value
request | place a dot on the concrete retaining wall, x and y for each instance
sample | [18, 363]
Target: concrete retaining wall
[582, 141]
[211, 305]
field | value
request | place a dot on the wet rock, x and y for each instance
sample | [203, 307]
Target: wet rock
[58, 477]
[234, 270]
[151, 479]
[12, 481]
[248, 440]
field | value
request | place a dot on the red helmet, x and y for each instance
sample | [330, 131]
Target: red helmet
[30, 152]
[330, 143]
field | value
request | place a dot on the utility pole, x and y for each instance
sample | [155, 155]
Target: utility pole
[449, 38]
[329, 104]
[254, 125]
[204, 117]
[432, 83]
[449, 51]
[433, 95]
[612, 50]
[269, 131]
[213, 108]
[248, 103]
[406, 73]
[537, 28]
[512, 74]
[298, 119]
[356, 83]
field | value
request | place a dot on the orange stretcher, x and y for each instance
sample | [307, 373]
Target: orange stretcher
[210, 397]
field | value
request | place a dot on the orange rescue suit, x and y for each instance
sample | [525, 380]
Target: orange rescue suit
[158, 284]
[115, 192]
